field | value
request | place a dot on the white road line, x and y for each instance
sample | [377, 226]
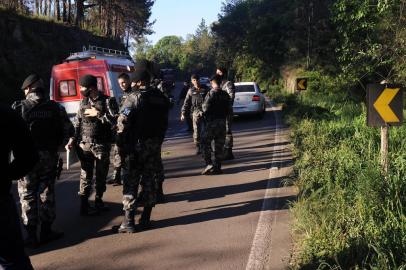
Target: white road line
[260, 249]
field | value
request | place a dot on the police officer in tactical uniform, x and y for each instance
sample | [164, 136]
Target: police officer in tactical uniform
[157, 75]
[94, 122]
[50, 128]
[15, 138]
[216, 108]
[229, 87]
[119, 153]
[141, 125]
[193, 106]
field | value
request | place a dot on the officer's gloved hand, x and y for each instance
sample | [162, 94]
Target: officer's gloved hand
[93, 112]
[182, 118]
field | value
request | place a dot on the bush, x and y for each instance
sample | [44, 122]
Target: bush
[348, 215]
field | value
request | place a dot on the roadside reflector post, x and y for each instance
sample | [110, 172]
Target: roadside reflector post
[385, 109]
[384, 148]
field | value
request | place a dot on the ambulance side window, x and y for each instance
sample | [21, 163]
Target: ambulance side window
[67, 88]
[100, 84]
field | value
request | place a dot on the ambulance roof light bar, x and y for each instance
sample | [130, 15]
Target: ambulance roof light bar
[94, 51]
[105, 50]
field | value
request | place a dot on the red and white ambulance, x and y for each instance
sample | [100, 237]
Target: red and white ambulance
[105, 64]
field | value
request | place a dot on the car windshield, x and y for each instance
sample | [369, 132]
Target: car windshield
[244, 88]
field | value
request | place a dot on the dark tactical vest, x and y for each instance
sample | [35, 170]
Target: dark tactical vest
[152, 118]
[198, 99]
[220, 105]
[124, 97]
[45, 123]
[93, 129]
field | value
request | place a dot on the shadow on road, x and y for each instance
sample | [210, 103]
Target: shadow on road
[228, 211]
[77, 229]
[219, 192]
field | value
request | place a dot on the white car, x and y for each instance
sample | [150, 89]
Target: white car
[249, 99]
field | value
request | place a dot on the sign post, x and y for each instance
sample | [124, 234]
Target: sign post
[385, 108]
[384, 148]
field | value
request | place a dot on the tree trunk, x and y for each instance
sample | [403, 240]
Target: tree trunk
[127, 39]
[79, 12]
[108, 19]
[36, 7]
[58, 10]
[49, 9]
[69, 11]
[100, 21]
[115, 25]
[40, 7]
[64, 4]
[45, 8]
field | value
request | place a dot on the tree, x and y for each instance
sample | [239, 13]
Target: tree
[58, 10]
[118, 19]
[80, 9]
[371, 38]
[166, 51]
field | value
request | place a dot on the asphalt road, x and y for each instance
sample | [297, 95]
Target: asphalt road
[238, 220]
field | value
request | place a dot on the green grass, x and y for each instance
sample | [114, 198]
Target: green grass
[348, 214]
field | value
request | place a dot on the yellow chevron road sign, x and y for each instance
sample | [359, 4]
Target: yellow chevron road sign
[381, 105]
[301, 84]
[385, 105]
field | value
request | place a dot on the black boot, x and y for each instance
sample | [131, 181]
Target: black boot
[47, 234]
[145, 220]
[85, 209]
[216, 169]
[160, 196]
[99, 204]
[32, 240]
[228, 154]
[128, 225]
[115, 178]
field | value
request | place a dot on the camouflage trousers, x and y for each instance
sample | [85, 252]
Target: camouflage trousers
[214, 134]
[89, 154]
[229, 134]
[159, 175]
[37, 191]
[119, 161]
[143, 170]
[197, 127]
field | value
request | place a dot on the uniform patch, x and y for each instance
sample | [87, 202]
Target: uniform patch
[126, 111]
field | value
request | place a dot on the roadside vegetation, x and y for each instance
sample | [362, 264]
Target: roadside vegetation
[349, 214]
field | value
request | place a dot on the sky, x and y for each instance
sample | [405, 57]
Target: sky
[181, 17]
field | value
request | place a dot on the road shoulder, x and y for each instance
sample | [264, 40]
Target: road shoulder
[272, 245]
